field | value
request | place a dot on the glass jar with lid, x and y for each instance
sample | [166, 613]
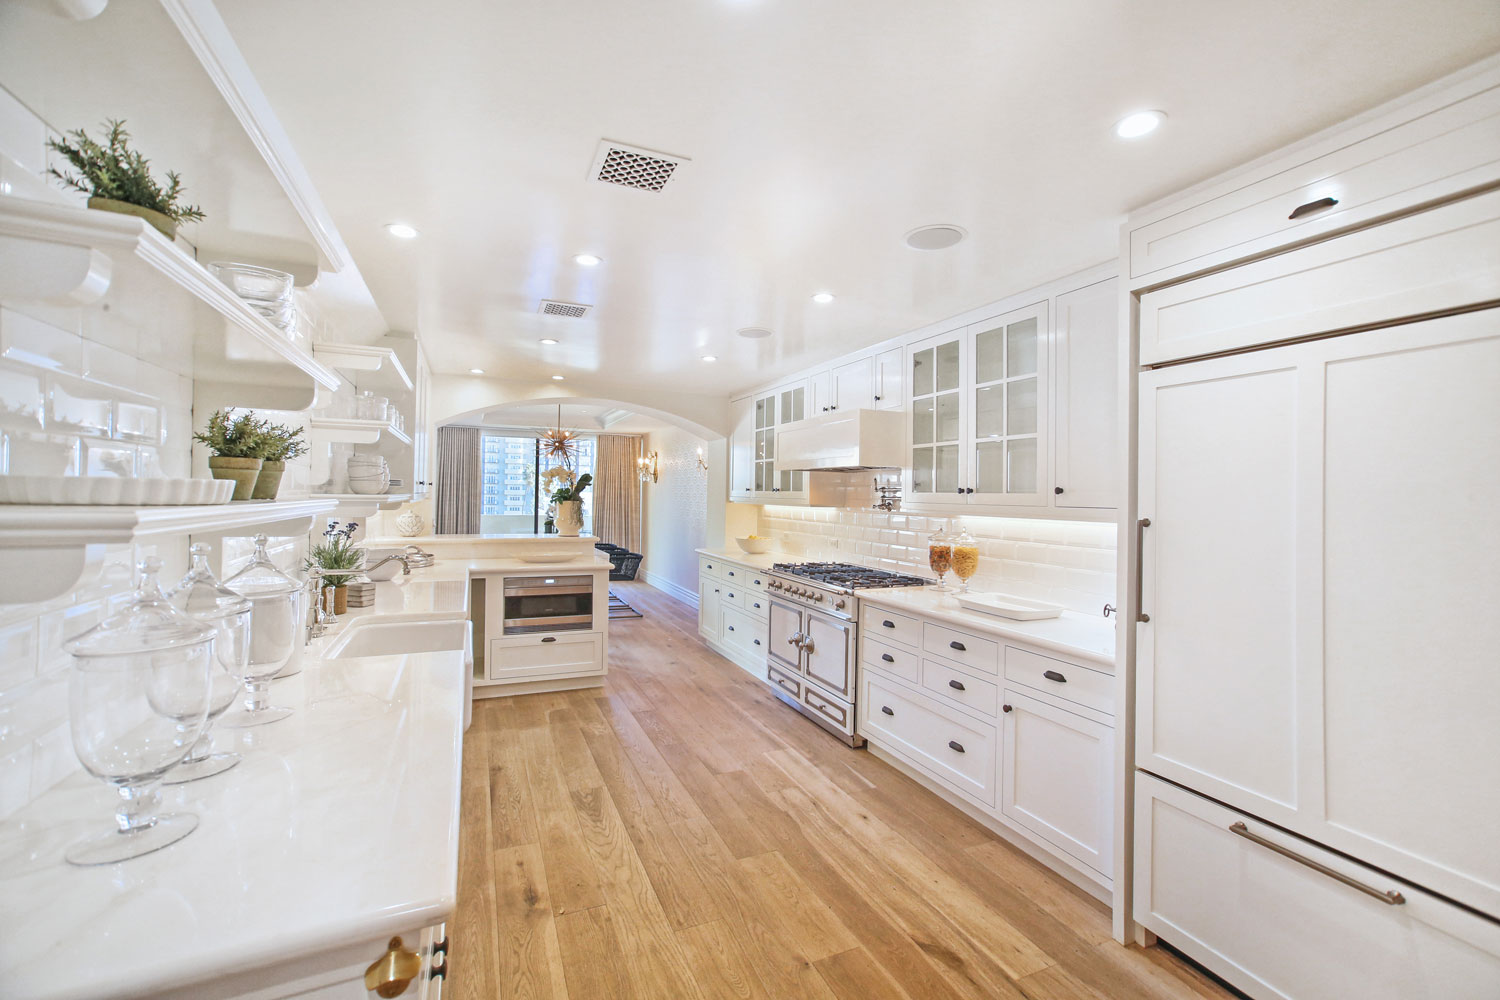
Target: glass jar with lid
[965, 557]
[940, 554]
[200, 596]
[275, 629]
[138, 697]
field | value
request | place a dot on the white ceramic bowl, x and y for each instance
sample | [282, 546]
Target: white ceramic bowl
[755, 546]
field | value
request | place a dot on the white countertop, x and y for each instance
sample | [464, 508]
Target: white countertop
[340, 827]
[1089, 638]
[743, 558]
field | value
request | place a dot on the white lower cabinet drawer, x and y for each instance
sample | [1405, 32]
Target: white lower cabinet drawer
[744, 633]
[961, 688]
[1091, 688]
[534, 657]
[965, 648]
[892, 659]
[756, 603]
[890, 626]
[958, 750]
[1292, 927]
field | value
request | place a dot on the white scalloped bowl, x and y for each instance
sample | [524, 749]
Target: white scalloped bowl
[114, 491]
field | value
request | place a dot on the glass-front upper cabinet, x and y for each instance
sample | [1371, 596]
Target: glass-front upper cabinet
[792, 405]
[937, 380]
[1008, 402]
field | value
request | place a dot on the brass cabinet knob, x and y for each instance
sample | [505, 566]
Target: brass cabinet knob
[393, 972]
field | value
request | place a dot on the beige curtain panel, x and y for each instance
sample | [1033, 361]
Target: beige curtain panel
[617, 491]
[456, 510]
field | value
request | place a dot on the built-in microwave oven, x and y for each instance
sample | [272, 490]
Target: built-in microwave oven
[548, 604]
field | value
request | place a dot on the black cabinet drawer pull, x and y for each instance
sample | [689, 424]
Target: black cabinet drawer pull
[1058, 490]
[1005, 708]
[956, 685]
[1053, 675]
[958, 646]
[756, 641]
[730, 627]
[888, 624]
[1312, 206]
[549, 638]
[887, 657]
[955, 745]
[887, 710]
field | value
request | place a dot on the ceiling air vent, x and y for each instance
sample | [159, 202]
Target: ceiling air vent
[633, 167]
[572, 310]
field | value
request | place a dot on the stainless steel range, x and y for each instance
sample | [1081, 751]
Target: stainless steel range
[814, 637]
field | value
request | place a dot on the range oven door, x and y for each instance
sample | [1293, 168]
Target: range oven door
[828, 654]
[785, 634]
[548, 604]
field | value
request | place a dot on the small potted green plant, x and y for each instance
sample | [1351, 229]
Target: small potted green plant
[118, 179]
[278, 445]
[567, 494]
[235, 443]
[336, 552]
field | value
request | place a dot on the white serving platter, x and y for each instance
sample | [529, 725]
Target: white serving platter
[1009, 606]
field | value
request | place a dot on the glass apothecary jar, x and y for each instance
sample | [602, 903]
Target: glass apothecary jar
[940, 554]
[200, 596]
[275, 630]
[138, 697]
[965, 557]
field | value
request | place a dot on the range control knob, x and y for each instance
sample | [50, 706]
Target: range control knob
[839, 604]
[818, 597]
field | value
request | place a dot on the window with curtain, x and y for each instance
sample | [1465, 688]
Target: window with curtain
[513, 501]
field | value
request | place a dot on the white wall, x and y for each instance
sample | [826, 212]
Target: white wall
[675, 513]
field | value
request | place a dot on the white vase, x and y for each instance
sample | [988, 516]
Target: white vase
[570, 518]
[410, 523]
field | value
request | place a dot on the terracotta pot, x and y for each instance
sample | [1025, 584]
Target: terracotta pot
[244, 472]
[340, 600]
[269, 481]
[161, 223]
[570, 518]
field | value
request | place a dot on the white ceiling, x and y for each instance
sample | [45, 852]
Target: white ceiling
[574, 416]
[819, 134]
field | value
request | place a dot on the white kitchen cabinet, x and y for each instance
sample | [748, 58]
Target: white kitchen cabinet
[890, 380]
[710, 607]
[1280, 917]
[820, 391]
[743, 437]
[1057, 778]
[854, 385]
[1007, 390]
[936, 435]
[1085, 412]
[732, 612]
[753, 473]
[1319, 574]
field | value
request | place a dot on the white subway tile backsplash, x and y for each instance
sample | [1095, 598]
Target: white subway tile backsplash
[15, 781]
[52, 758]
[18, 653]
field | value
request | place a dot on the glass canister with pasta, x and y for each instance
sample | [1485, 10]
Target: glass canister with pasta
[965, 557]
[940, 554]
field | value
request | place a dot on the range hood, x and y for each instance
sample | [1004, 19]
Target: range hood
[843, 442]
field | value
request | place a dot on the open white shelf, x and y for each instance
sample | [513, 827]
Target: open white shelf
[46, 549]
[381, 363]
[364, 504]
[62, 252]
[341, 430]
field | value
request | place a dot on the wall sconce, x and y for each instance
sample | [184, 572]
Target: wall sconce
[701, 463]
[645, 467]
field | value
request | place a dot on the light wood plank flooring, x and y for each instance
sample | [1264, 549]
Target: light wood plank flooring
[679, 833]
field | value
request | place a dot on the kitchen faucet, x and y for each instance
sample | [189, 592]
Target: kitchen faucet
[403, 560]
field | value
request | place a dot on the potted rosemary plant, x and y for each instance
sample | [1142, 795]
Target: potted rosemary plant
[567, 494]
[278, 444]
[336, 552]
[118, 179]
[235, 443]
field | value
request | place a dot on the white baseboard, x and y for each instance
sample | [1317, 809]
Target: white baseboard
[661, 583]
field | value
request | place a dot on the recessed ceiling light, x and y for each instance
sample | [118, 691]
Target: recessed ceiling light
[754, 332]
[557, 378]
[939, 237]
[401, 230]
[823, 298]
[546, 340]
[587, 260]
[476, 371]
[1134, 126]
[710, 357]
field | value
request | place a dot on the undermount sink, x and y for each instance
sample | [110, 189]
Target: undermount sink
[391, 638]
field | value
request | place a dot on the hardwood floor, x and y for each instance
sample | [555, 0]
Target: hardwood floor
[679, 833]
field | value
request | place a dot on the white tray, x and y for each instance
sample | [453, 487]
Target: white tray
[1009, 606]
[114, 491]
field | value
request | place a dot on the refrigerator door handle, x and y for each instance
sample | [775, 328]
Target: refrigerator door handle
[1390, 896]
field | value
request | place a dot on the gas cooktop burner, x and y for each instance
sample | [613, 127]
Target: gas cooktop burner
[848, 575]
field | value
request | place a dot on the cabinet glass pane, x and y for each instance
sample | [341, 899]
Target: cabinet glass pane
[947, 366]
[1021, 340]
[760, 413]
[792, 406]
[989, 411]
[1021, 406]
[989, 467]
[945, 475]
[947, 417]
[760, 477]
[921, 421]
[921, 470]
[989, 356]
[768, 444]
[1021, 465]
[921, 373]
